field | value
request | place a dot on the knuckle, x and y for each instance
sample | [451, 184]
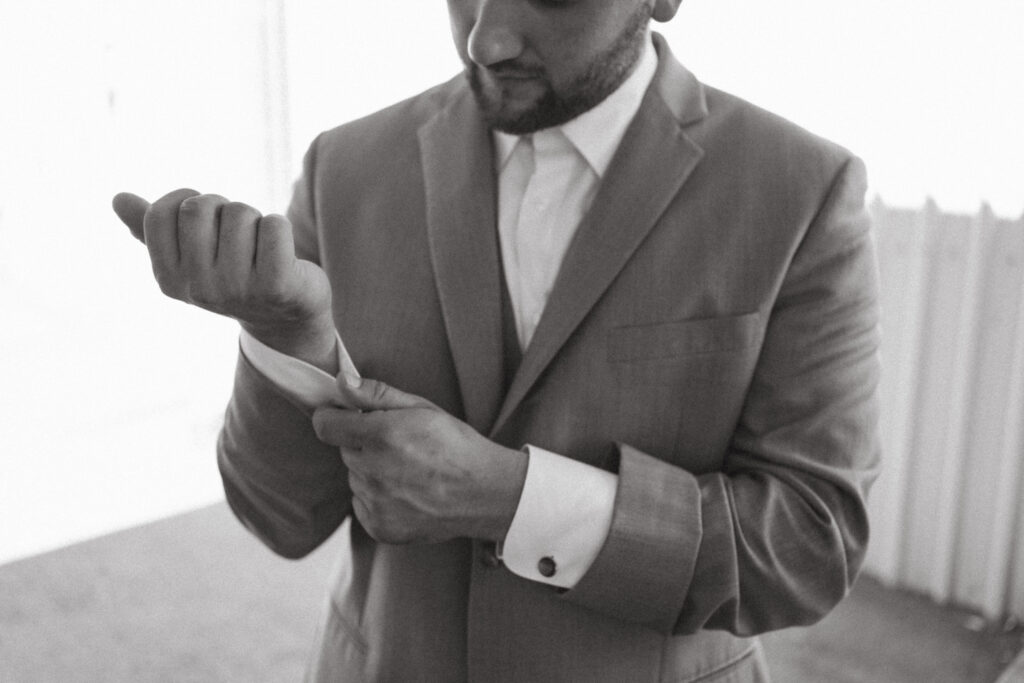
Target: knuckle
[228, 282]
[272, 272]
[229, 227]
[198, 211]
[207, 295]
[192, 206]
[382, 434]
[189, 204]
[380, 391]
[270, 289]
[369, 521]
[167, 280]
[274, 222]
[168, 287]
[361, 513]
[433, 421]
[199, 295]
[322, 427]
[391, 533]
[275, 295]
[274, 233]
[239, 213]
[174, 198]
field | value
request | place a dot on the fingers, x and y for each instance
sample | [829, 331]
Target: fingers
[160, 227]
[368, 508]
[347, 429]
[131, 209]
[372, 394]
[236, 249]
[198, 231]
[381, 516]
[227, 258]
[275, 249]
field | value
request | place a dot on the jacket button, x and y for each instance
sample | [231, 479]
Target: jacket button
[489, 556]
[547, 567]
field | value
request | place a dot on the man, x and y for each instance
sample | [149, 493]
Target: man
[622, 335]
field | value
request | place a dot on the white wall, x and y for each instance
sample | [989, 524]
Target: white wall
[110, 394]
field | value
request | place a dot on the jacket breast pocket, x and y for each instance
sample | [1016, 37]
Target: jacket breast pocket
[679, 385]
[668, 340]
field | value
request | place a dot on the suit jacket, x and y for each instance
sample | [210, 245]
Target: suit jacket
[711, 337]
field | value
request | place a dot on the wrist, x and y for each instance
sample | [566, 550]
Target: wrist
[504, 488]
[312, 341]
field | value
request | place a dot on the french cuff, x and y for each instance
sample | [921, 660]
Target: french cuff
[562, 520]
[305, 383]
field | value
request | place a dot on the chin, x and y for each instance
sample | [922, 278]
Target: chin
[518, 109]
[522, 123]
[523, 118]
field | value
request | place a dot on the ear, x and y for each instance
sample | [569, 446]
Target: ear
[664, 10]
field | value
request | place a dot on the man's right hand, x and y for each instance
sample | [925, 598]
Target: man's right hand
[227, 258]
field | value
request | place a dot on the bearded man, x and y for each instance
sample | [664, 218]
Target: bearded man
[619, 331]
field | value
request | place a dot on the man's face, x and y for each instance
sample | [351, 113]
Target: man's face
[534, 64]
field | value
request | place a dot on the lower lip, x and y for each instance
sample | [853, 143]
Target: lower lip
[515, 81]
[514, 76]
[503, 78]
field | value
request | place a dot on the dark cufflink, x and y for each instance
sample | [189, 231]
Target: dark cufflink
[547, 567]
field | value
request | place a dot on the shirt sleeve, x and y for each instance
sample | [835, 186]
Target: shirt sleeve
[307, 384]
[563, 518]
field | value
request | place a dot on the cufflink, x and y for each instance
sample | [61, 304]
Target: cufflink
[547, 567]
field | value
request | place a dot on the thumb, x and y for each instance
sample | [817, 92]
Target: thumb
[131, 209]
[371, 394]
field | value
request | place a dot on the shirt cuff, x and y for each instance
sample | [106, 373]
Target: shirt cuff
[563, 518]
[307, 384]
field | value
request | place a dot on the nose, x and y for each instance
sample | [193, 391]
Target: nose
[496, 35]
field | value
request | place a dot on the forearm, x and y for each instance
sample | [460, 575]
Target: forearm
[285, 485]
[311, 341]
[749, 551]
[778, 549]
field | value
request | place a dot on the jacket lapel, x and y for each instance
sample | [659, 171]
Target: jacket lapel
[651, 165]
[459, 180]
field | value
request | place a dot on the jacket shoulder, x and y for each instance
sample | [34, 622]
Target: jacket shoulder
[735, 125]
[388, 128]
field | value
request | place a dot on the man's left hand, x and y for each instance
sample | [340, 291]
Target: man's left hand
[417, 474]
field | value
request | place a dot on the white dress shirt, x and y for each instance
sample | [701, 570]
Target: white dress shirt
[546, 183]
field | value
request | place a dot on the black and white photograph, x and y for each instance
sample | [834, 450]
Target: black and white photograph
[511, 341]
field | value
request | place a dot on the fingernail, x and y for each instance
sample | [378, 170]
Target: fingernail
[354, 381]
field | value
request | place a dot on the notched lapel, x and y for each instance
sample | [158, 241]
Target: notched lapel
[458, 174]
[652, 163]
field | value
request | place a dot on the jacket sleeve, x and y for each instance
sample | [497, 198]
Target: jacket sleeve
[776, 538]
[285, 485]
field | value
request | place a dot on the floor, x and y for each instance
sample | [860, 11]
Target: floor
[886, 636]
[194, 598]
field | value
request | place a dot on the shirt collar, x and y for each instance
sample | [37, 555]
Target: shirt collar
[596, 133]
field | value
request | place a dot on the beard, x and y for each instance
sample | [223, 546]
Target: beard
[552, 108]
